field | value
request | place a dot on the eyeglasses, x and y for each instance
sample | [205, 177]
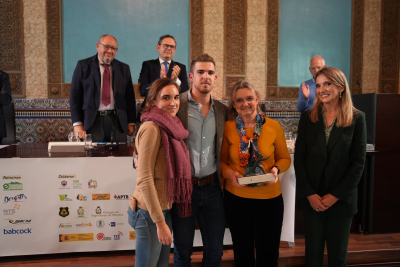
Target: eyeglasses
[170, 46]
[316, 68]
[114, 49]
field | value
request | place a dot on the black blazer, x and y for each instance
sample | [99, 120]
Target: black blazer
[151, 72]
[5, 100]
[85, 92]
[341, 161]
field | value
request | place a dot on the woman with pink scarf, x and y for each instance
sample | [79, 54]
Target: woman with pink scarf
[163, 175]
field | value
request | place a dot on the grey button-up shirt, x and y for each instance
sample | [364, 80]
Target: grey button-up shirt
[202, 134]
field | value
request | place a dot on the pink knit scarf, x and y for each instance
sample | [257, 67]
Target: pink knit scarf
[179, 184]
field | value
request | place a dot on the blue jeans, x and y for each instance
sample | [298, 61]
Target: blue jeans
[149, 251]
[208, 210]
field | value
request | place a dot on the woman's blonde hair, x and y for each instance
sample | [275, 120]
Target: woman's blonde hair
[232, 113]
[346, 109]
[155, 91]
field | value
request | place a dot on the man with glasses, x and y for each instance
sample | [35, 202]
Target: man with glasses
[102, 100]
[307, 88]
[163, 67]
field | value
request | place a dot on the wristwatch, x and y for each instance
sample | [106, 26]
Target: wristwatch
[279, 170]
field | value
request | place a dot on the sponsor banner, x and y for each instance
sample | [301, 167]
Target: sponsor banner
[65, 225]
[12, 186]
[81, 197]
[13, 231]
[100, 196]
[17, 198]
[8, 177]
[132, 235]
[92, 184]
[76, 184]
[76, 237]
[64, 185]
[121, 197]
[19, 221]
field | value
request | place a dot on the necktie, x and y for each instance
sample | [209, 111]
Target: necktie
[105, 99]
[166, 67]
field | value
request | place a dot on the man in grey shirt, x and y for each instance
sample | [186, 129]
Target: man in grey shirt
[205, 118]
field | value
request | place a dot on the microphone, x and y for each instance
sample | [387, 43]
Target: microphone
[113, 146]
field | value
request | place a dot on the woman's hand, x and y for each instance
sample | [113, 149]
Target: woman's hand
[233, 176]
[164, 233]
[328, 200]
[316, 204]
[274, 171]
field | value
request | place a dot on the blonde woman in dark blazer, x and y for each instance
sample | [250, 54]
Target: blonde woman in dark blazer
[329, 161]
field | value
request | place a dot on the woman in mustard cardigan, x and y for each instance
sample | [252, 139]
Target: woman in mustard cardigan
[254, 212]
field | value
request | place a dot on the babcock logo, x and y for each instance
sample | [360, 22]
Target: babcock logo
[18, 232]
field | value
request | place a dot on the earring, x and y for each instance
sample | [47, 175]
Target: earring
[340, 95]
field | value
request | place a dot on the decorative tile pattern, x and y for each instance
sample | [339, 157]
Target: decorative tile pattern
[213, 18]
[235, 37]
[35, 49]
[54, 52]
[280, 105]
[256, 48]
[371, 46]
[42, 130]
[196, 28]
[390, 47]
[273, 42]
[288, 92]
[17, 88]
[357, 33]
[10, 35]
[41, 103]
[230, 82]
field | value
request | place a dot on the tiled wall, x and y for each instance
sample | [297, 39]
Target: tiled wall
[44, 120]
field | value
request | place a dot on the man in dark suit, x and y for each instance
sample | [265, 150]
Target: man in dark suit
[102, 99]
[163, 67]
[5, 100]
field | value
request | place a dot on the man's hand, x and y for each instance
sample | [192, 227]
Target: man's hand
[316, 204]
[164, 233]
[79, 128]
[328, 200]
[131, 129]
[175, 72]
[162, 72]
[274, 171]
[233, 176]
[305, 89]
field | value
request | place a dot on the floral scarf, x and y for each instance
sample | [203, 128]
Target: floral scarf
[249, 151]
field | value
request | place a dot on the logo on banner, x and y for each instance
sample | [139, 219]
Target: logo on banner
[76, 184]
[12, 186]
[19, 221]
[113, 224]
[98, 210]
[81, 212]
[64, 198]
[17, 206]
[100, 223]
[17, 198]
[66, 176]
[100, 213]
[121, 197]
[64, 212]
[82, 225]
[65, 225]
[100, 236]
[8, 177]
[76, 237]
[117, 237]
[92, 184]
[81, 197]
[64, 185]
[18, 232]
[132, 235]
[9, 211]
[100, 196]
